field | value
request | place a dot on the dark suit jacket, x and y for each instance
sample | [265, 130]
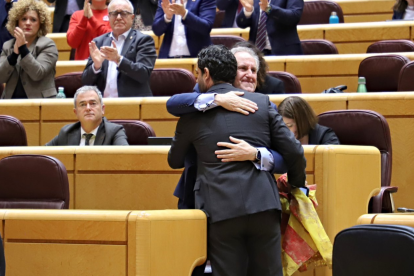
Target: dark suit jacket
[230, 8]
[234, 189]
[60, 12]
[179, 105]
[4, 33]
[36, 70]
[281, 25]
[272, 85]
[147, 10]
[197, 25]
[135, 69]
[322, 135]
[108, 134]
[398, 15]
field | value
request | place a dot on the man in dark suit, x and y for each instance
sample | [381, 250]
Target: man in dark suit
[92, 128]
[63, 11]
[241, 202]
[121, 62]
[281, 18]
[186, 26]
[5, 6]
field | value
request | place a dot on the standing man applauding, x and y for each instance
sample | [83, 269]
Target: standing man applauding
[121, 62]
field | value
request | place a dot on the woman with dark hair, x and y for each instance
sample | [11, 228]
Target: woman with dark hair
[403, 9]
[87, 24]
[300, 118]
[33, 74]
[265, 84]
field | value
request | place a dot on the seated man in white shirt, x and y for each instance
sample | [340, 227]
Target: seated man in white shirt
[92, 128]
[121, 62]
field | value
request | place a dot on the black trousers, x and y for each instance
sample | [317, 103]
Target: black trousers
[248, 245]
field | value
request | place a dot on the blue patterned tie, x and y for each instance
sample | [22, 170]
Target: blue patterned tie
[261, 31]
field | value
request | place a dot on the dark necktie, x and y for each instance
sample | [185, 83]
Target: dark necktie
[261, 32]
[88, 137]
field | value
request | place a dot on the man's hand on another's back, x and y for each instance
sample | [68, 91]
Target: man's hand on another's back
[233, 102]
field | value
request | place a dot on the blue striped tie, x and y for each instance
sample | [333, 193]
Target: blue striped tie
[261, 32]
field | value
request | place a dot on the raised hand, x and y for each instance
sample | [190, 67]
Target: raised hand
[177, 8]
[87, 11]
[263, 4]
[239, 151]
[20, 39]
[165, 5]
[111, 53]
[96, 55]
[247, 4]
[233, 102]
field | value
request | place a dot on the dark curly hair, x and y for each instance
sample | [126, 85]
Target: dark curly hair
[220, 62]
[21, 7]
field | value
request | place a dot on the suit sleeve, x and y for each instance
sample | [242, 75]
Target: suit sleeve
[289, 16]
[159, 27]
[6, 70]
[53, 142]
[120, 138]
[180, 145]
[89, 77]
[41, 66]
[244, 22]
[202, 23]
[141, 67]
[283, 140]
[181, 104]
[329, 138]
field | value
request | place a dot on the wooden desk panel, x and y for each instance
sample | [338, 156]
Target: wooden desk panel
[189, 64]
[70, 242]
[64, 67]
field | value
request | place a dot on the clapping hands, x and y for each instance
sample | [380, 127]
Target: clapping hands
[20, 39]
[106, 52]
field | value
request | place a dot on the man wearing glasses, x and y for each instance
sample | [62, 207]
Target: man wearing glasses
[92, 128]
[121, 62]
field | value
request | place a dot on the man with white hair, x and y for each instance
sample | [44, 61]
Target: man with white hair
[121, 62]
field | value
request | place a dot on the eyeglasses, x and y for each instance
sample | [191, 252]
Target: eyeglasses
[123, 14]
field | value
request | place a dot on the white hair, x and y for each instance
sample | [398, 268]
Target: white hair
[85, 89]
[120, 1]
[249, 51]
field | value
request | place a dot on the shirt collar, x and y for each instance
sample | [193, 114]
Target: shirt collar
[92, 132]
[123, 35]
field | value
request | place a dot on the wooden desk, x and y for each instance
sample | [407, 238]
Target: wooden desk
[87, 242]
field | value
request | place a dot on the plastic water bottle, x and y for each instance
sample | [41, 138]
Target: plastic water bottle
[333, 19]
[61, 94]
[361, 85]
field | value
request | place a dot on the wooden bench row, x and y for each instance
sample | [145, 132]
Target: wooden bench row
[349, 38]
[139, 178]
[44, 118]
[315, 73]
[72, 242]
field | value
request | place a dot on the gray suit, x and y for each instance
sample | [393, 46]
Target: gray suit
[108, 134]
[135, 69]
[229, 191]
[36, 70]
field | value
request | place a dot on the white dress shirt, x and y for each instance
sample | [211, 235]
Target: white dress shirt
[111, 87]
[179, 45]
[92, 140]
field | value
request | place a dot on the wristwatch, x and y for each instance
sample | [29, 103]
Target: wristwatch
[268, 9]
[258, 156]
